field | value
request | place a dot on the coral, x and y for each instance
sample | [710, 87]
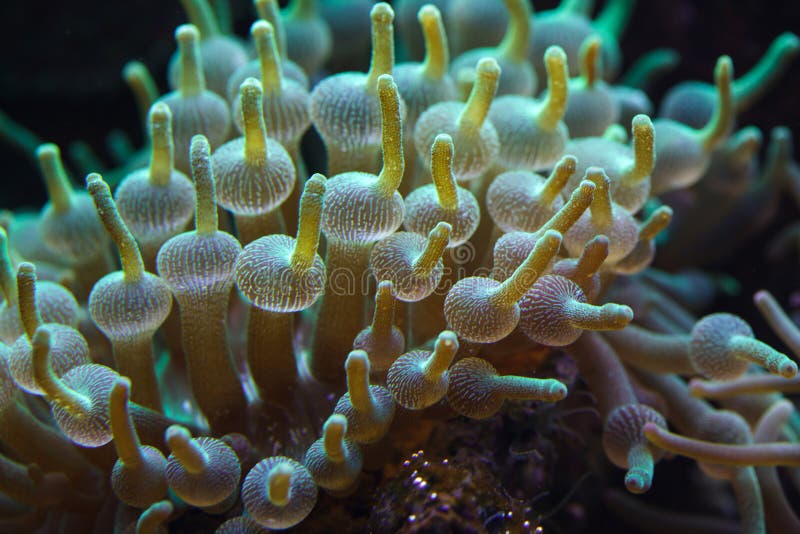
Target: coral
[469, 299]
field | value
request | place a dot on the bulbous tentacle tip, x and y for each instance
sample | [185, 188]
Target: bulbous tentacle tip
[723, 72]
[651, 431]
[41, 341]
[94, 183]
[121, 388]
[47, 150]
[641, 122]
[555, 55]
[585, 189]
[556, 392]
[175, 431]
[761, 296]
[159, 112]
[385, 82]
[598, 243]
[789, 42]
[357, 362]
[442, 141]
[250, 87]
[627, 313]
[200, 149]
[279, 484]
[620, 315]
[568, 164]
[787, 369]
[261, 29]
[187, 34]
[447, 338]
[488, 67]
[382, 13]
[316, 184]
[597, 176]
[428, 13]
[441, 231]
[336, 422]
[638, 481]
[133, 69]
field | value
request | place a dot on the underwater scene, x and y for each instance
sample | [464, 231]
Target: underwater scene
[443, 266]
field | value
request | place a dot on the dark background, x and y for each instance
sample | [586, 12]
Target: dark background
[61, 62]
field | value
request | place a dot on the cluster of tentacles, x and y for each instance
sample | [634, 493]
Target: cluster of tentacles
[266, 333]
